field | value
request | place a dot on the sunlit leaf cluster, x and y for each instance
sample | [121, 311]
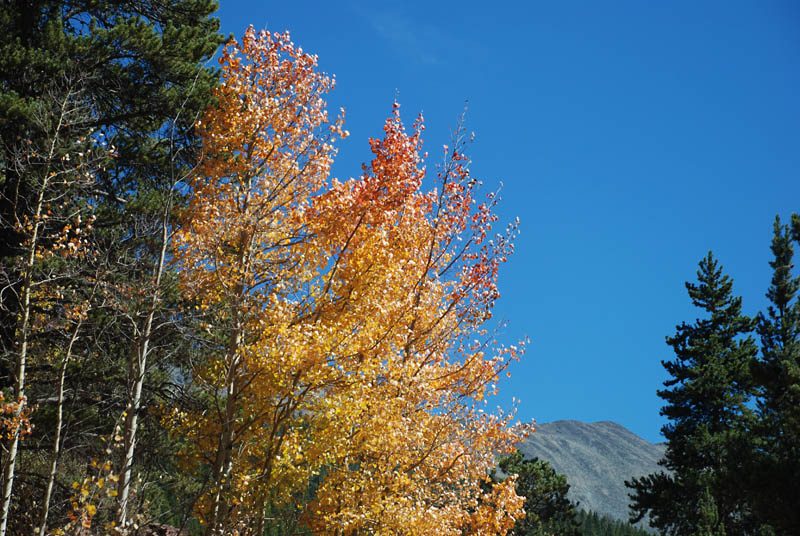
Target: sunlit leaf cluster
[342, 323]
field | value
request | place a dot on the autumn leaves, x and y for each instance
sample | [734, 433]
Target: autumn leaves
[340, 374]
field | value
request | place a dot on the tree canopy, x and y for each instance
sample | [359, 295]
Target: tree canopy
[201, 327]
[732, 442]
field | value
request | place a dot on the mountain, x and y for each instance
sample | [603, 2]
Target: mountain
[596, 458]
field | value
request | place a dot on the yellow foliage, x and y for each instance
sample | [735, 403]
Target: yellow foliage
[343, 318]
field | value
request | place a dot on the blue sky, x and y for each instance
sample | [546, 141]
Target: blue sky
[630, 138]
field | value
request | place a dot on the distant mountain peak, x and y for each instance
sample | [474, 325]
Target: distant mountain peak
[596, 458]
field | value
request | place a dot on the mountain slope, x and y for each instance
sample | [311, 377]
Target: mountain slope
[596, 458]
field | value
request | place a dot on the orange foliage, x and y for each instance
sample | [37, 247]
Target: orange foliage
[342, 318]
[15, 418]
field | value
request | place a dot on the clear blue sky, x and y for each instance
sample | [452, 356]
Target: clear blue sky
[631, 138]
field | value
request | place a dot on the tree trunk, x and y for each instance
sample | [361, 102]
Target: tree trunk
[59, 422]
[137, 366]
[21, 342]
[223, 462]
[22, 348]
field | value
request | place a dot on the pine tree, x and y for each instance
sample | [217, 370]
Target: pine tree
[138, 70]
[707, 404]
[709, 524]
[547, 508]
[775, 474]
[592, 524]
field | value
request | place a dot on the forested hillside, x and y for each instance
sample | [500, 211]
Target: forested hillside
[593, 524]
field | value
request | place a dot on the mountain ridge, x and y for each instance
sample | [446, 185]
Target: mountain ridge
[596, 458]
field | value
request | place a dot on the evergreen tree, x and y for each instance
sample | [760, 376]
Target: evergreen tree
[775, 473]
[709, 522]
[136, 70]
[707, 404]
[137, 64]
[592, 524]
[547, 508]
